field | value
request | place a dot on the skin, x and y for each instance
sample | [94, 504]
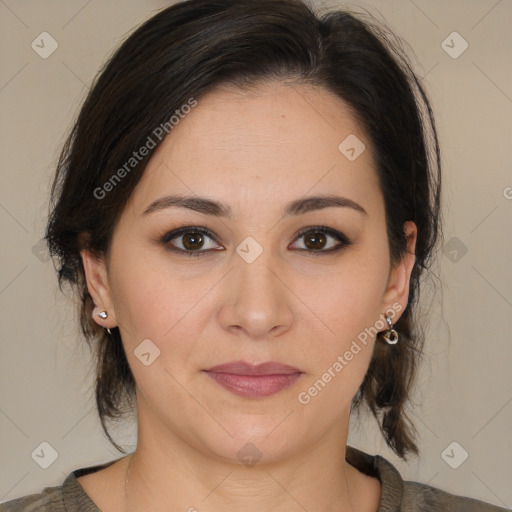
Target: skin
[256, 151]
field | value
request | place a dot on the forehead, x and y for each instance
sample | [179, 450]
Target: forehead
[273, 142]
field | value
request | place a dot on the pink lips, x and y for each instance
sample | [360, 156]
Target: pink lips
[254, 381]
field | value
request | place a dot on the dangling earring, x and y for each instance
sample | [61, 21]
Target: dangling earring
[390, 336]
[104, 315]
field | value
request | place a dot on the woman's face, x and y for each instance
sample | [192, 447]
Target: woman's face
[250, 291]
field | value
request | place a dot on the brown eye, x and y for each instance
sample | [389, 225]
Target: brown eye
[315, 240]
[192, 240]
[318, 240]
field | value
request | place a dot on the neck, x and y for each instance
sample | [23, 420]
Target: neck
[160, 479]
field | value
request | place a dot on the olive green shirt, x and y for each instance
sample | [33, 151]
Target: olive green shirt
[397, 495]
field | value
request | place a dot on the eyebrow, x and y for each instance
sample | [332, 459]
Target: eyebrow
[218, 209]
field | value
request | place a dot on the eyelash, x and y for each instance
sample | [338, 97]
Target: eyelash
[176, 233]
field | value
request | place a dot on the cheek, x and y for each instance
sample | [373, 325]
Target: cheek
[154, 300]
[349, 299]
[153, 304]
[346, 306]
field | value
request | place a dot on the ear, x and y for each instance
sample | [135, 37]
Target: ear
[96, 276]
[397, 292]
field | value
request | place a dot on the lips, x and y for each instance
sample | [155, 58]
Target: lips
[254, 380]
[244, 368]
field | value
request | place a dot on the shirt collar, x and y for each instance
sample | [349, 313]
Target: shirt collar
[392, 484]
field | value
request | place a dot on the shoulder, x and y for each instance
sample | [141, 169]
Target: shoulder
[50, 499]
[408, 496]
[67, 497]
[424, 498]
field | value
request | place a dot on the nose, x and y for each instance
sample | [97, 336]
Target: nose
[257, 301]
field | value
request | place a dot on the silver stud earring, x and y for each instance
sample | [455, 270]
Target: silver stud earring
[390, 336]
[104, 316]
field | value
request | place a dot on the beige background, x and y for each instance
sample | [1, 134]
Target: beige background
[465, 390]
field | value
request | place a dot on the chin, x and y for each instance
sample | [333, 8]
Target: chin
[256, 438]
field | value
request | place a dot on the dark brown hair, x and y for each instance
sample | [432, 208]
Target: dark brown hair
[187, 50]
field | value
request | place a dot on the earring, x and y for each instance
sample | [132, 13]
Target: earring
[104, 315]
[390, 336]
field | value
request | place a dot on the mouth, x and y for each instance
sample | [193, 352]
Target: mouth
[254, 380]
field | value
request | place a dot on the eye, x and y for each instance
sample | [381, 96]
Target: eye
[199, 241]
[321, 239]
[190, 240]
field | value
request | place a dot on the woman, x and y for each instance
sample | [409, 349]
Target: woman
[245, 207]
